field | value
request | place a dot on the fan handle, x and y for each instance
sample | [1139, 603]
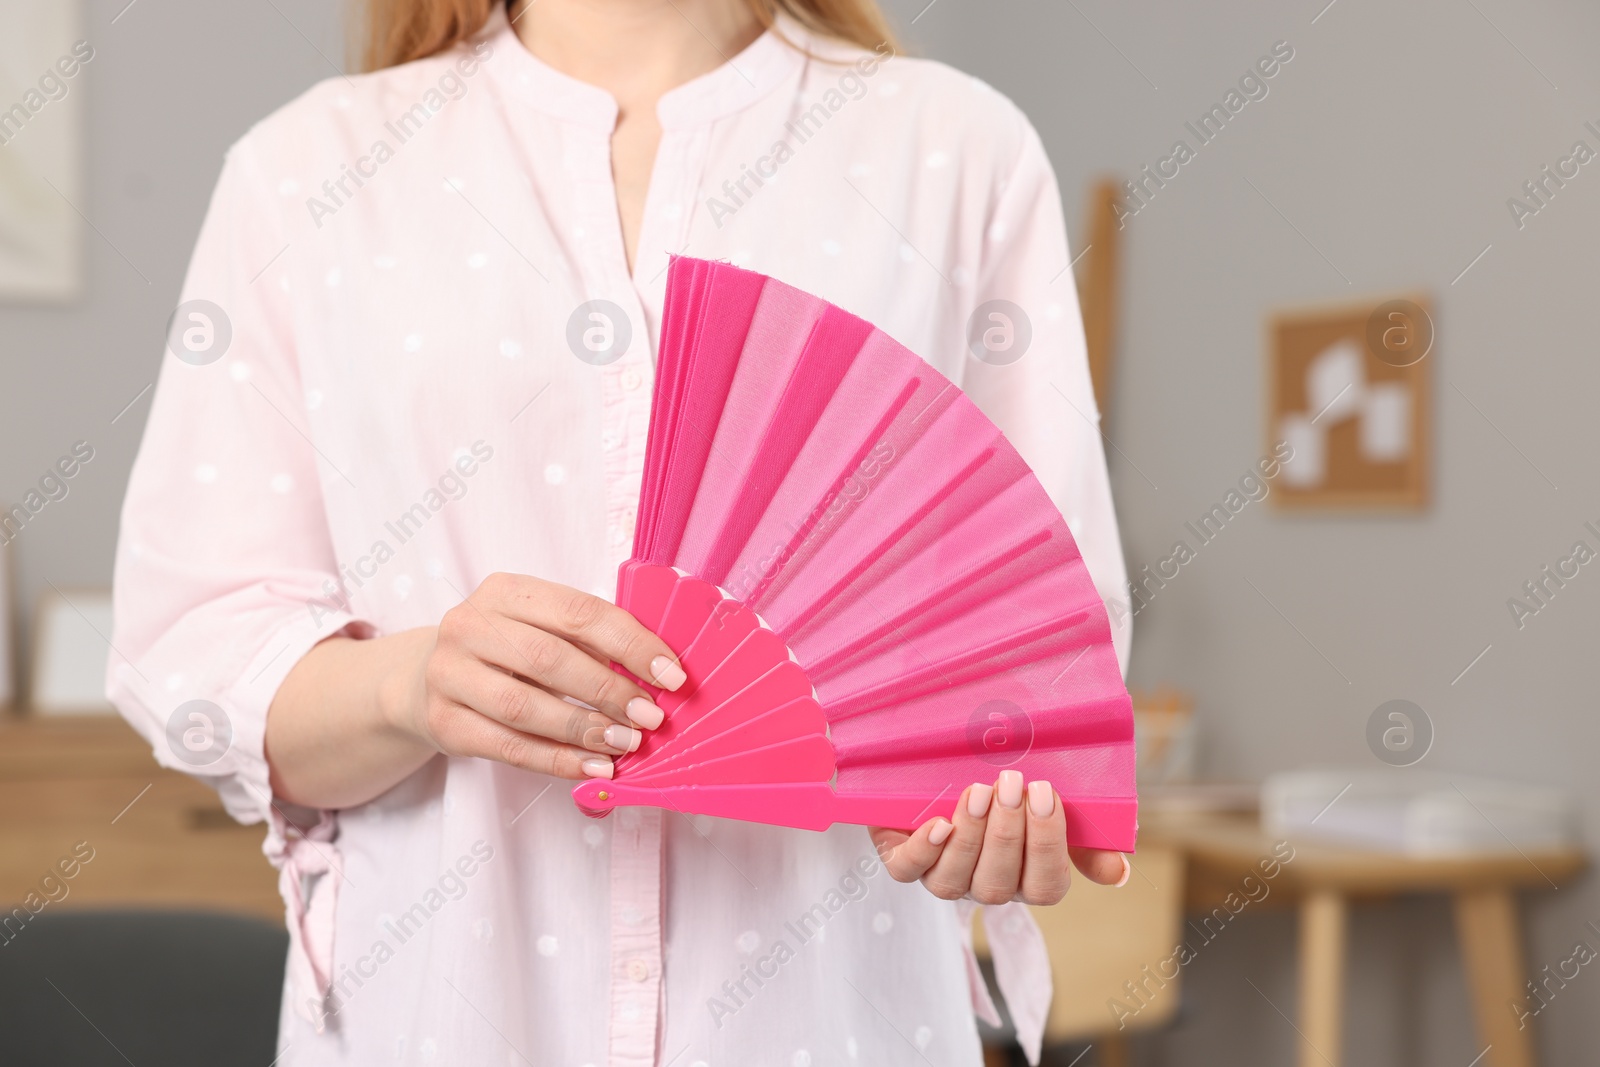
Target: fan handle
[1092, 822]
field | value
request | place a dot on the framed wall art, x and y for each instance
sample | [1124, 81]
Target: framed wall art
[43, 58]
[1349, 390]
[72, 631]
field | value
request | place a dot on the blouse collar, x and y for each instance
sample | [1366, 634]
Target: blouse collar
[731, 87]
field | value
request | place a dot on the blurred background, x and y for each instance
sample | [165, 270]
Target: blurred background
[1383, 253]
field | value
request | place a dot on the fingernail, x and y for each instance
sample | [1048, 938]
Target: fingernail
[1010, 789]
[598, 768]
[623, 737]
[1127, 872]
[1041, 799]
[978, 800]
[644, 714]
[940, 832]
[668, 675]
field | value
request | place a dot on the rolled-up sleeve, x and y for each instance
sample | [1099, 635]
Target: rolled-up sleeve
[225, 574]
[1043, 399]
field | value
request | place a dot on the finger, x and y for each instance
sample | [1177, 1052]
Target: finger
[950, 877]
[460, 731]
[999, 870]
[907, 857]
[592, 653]
[601, 625]
[603, 660]
[1046, 873]
[529, 709]
[884, 839]
[1102, 867]
[555, 664]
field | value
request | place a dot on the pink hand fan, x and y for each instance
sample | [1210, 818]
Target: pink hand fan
[873, 598]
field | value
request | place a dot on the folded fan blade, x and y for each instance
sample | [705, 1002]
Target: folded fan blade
[752, 727]
[710, 329]
[959, 650]
[794, 759]
[779, 329]
[722, 704]
[925, 587]
[646, 590]
[834, 341]
[687, 613]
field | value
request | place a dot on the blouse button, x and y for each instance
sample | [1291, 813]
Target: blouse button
[638, 970]
[632, 379]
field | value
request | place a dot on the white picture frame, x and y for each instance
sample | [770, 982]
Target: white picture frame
[41, 151]
[72, 631]
[8, 678]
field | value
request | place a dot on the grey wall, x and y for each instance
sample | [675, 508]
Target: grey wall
[1392, 142]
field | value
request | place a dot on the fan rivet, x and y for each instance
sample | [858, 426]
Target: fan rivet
[604, 795]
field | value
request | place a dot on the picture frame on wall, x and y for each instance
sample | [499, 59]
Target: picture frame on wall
[71, 645]
[43, 59]
[8, 679]
[1349, 390]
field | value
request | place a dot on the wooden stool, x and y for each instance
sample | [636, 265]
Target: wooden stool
[1325, 878]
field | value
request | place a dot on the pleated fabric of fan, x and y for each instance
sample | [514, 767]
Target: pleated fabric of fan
[834, 483]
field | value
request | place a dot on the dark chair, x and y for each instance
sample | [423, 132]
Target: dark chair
[152, 988]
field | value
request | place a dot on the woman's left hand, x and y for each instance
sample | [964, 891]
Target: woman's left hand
[1005, 844]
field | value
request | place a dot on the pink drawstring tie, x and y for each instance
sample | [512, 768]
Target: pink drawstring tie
[302, 858]
[1021, 968]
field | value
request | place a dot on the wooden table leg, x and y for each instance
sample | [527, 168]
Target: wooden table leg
[1322, 951]
[1113, 1049]
[1491, 947]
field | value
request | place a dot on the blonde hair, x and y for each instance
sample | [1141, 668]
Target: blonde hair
[398, 31]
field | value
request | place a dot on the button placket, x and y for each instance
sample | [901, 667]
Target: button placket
[636, 925]
[597, 238]
[635, 993]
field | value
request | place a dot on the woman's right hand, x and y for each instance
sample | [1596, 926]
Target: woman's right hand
[493, 682]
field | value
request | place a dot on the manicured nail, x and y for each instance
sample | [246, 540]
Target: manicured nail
[1041, 799]
[598, 768]
[623, 737]
[668, 675]
[1009, 789]
[978, 800]
[644, 714]
[1127, 872]
[940, 832]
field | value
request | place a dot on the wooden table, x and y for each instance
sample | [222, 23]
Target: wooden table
[159, 838]
[1322, 879]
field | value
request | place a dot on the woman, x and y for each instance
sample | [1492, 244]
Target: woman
[390, 474]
